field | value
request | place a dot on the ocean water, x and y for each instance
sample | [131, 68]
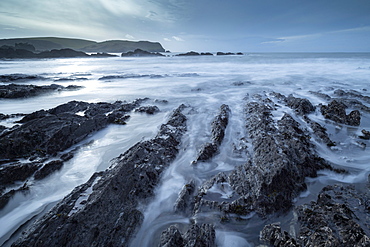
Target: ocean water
[203, 83]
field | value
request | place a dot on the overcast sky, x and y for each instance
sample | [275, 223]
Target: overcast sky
[200, 25]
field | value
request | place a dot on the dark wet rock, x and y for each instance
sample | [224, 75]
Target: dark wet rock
[4, 198]
[49, 132]
[102, 54]
[196, 236]
[366, 134]
[185, 202]
[219, 125]
[171, 237]
[148, 109]
[241, 83]
[206, 54]
[48, 168]
[71, 79]
[129, 76]
[282, 157]
[67, 156]
[339, 217]
[13, 91]
[161, 101]
[272, 235]
[321, 95]
[200, 235]
[301, 106]
[336, 111]
[141, 53]
[20, 78]
[224, 53]
[190, 53]
[109, 216]
[351, 94]
[17, 172]
[319, 131]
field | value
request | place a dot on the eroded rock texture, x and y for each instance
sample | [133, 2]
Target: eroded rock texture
[109, 215]
[339, 217]
[219, 125]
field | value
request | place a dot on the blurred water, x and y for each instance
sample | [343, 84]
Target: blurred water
[204, 83]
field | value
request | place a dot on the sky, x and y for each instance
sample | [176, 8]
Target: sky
[199, 25]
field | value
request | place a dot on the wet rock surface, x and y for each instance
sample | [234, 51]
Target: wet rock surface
[196, 236]
[219, 125]
[13, 91]
[109, 216]
[339, 217]
[282, 158]
[279, 153]
[43, 134]
[336, 111]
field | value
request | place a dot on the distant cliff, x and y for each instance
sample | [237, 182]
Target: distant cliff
[112, 46]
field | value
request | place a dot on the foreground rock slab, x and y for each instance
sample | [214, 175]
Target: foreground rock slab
[339, 217]
[108, 216]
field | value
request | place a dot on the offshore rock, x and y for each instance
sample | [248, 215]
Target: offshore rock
[109, 216]
[196, 236]
[336, 111]
[148, 109]
[141, 53]
[339, 217]
[13, 91]
[20, 78]
[219, 125]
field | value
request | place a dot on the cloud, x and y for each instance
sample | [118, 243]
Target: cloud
[128, 36]
[167, 39]
[177, 38]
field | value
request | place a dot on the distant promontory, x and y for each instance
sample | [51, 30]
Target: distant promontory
[112, 46]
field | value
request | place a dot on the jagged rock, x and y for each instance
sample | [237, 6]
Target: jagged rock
[273, 236]
[319, 132]
[200, 236]
[171, 237]
[109, 215]
[219, 125]
[185, 201]
[366, 134]
[196, 236]
[13, 91]
[282, 157]
[336, 111]
[301, 106]
[148, 109]
[17, 172]
[48, 168]
[48, 132]
[339, 217]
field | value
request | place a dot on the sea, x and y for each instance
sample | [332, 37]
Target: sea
[203, 83]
